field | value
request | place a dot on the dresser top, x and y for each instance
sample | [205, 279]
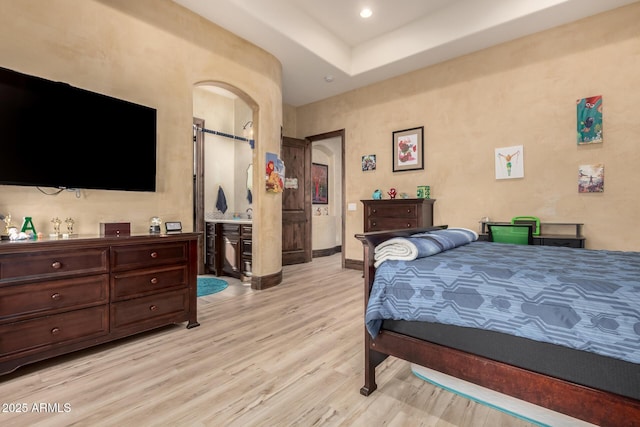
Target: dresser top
[80, 240]
[398, 200]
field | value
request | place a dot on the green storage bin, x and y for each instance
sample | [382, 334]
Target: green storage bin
[534, 221]
[510, 233]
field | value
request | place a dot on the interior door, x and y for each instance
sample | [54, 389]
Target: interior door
[296, 202]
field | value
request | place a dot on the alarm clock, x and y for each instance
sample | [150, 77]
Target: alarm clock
[173, 227]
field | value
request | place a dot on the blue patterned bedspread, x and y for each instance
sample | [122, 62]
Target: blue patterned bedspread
[583, 299]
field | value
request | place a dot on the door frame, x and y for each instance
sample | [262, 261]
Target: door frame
[337, 134]
[198, 189]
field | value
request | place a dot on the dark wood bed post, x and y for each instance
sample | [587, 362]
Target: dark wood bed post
[373, 358]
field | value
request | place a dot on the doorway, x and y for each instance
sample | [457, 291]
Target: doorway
[329, 149]
[222, 151]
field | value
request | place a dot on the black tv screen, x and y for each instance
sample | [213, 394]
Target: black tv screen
[56, 135]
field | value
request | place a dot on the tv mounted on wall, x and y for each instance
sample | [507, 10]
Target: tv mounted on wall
[55, 135]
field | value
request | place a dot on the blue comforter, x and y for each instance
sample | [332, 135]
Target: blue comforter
[583, 299]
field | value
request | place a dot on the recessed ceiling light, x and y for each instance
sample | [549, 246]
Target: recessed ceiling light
[328, 78]
[366, 12]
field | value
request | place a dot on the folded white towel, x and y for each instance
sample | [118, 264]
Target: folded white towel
[398, 248]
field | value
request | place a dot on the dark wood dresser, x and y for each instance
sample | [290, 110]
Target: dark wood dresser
[393, 214]
[63, 295]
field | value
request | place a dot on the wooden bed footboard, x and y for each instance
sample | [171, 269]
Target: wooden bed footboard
[592, 405]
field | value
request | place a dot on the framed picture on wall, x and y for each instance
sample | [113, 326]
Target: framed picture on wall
[590, 120]
[509, 162]
[408, 149]
[369, 162]
[320, 184]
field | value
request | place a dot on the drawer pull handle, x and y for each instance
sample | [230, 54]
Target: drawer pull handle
[373, 224]
[408, 210]
[55, 331]
[56, 296]
[408, 225]
[374, 210]
[154, 254]
[153, 308]
[154, 280]
[56, 265]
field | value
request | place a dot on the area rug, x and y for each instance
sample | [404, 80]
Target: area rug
[210, 285]
[526, 411]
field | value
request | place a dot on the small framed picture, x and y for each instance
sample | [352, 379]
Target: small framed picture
[408, 149]
[369, 162]
[509, 162]
[320, 183]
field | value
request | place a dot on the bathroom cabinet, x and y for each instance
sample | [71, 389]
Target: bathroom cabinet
[228, 248]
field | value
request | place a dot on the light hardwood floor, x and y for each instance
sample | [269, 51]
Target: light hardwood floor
[291, 355]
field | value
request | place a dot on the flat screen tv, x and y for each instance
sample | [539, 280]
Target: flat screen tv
[56, 135]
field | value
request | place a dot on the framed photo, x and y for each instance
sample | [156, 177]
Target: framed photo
[591, 178]
[320, 184]
[369, 162]
[408, 149]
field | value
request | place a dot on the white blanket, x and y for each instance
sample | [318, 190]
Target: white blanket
[398, 248]
[422, 244]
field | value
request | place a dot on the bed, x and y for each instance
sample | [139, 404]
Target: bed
[596, 381]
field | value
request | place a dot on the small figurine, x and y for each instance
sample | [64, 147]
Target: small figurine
[56, 226]
[377, 195]
[69, 221]
[404, 196]
[7, 221]
[392, 193]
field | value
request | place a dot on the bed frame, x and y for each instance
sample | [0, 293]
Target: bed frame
[589, 404]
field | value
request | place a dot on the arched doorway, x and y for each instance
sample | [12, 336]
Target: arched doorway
[224, 135]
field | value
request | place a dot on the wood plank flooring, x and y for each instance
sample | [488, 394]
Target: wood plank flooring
[291, 355]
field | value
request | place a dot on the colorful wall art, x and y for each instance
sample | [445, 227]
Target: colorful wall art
[591, 178]
[408, 149]
[274, 173]
[369, 162]
[590, 120]
[319, 184]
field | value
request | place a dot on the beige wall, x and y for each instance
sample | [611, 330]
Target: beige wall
[150, 52]
[520, 93]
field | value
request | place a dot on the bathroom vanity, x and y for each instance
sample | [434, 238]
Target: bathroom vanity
[228, 247]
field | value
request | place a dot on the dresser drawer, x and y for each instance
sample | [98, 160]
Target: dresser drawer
[379, 224]
[49, 297]
[141, 282]
[393, 210]
[141, 256]
[48, 331]
[51, 264]
[142, 313]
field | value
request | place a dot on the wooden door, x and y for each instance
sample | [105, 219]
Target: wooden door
[296, 202]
